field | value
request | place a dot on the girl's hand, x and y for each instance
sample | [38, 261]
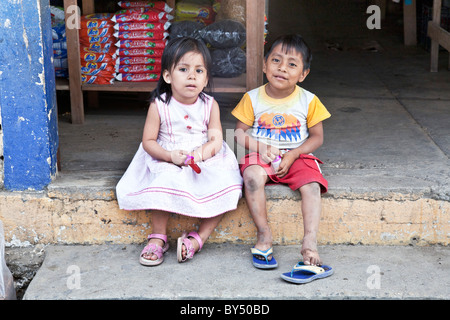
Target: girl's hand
[178, 157]
[287, 160]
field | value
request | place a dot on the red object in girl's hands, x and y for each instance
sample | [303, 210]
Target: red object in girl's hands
[190, 161]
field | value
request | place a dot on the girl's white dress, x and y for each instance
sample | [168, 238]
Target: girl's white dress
[152, 184]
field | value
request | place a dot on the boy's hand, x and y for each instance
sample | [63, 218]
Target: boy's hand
[287, 160]
[268, 153]
[178, 157]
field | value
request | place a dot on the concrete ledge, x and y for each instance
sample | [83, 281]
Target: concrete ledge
[83, 210]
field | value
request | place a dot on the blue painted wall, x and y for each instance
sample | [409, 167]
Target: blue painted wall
[27, 94]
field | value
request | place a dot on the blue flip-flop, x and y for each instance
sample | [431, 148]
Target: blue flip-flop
[302, 273]
[264, 264]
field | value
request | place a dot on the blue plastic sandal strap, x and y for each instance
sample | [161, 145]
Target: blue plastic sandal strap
[264, 254]
[310, 268]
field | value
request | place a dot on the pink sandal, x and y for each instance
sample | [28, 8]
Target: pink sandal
[189, 246]
[152, 248]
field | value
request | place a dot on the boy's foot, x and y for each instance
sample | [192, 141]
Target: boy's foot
[311, 257]
[310, 253]
[263, 243]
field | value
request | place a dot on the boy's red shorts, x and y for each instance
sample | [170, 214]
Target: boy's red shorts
[304, 170]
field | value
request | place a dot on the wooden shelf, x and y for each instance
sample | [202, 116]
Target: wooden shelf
[231, 85]
[255, 11]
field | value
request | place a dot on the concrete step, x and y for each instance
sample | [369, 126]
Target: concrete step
[225, 271]
[360, 208]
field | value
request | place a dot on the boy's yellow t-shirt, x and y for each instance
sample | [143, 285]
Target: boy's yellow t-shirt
[282, 123]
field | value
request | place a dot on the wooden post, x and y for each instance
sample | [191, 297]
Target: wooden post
[73, 61]
[434, 41]
[255, 11]
[409, 23]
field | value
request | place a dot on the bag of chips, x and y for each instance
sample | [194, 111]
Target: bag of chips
[138, 60]
[138, 68]
[142, 52]
[141, 17]
[142, 26]
[137, 77]
[160, 5]
[186, 10]
[137, 44]
[141, 35]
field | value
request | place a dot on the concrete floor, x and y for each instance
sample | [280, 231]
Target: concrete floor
[389, 125]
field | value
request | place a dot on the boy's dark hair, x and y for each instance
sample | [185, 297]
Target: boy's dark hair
[293, 42]
[175, 49]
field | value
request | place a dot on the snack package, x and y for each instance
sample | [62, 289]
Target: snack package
[160, 5]
[142, 17]
[143, 26]
[137, 77]
[141, 35]
[139, 52]
[138, 68]
[138, 44]
[137, 60]
[200, 12]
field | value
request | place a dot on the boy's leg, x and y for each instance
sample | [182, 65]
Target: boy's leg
[311, 210]
[159, 223]
[207, 226]
[255, 178]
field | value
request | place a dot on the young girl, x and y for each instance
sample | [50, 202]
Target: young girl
[182, 130]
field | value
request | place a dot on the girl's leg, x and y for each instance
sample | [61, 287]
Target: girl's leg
[159, 223]
[311, 210]
[207, 226]
[255, 179]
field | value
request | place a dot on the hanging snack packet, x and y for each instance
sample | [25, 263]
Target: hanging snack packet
[135, 44]
[160, 5]
[137, 77]
[143, 26]
[141, 35]
[137, 60]
[138, 68]
[142, 17]
[139, 52]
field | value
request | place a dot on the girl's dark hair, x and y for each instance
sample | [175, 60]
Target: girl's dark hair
[175, 49]
[293, 42]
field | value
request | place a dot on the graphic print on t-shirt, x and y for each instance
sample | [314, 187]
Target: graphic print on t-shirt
[281, 127]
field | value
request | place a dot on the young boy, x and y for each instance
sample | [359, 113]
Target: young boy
[285, 120]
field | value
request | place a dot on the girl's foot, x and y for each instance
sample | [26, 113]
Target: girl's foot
[188, 245]
[153, 252]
